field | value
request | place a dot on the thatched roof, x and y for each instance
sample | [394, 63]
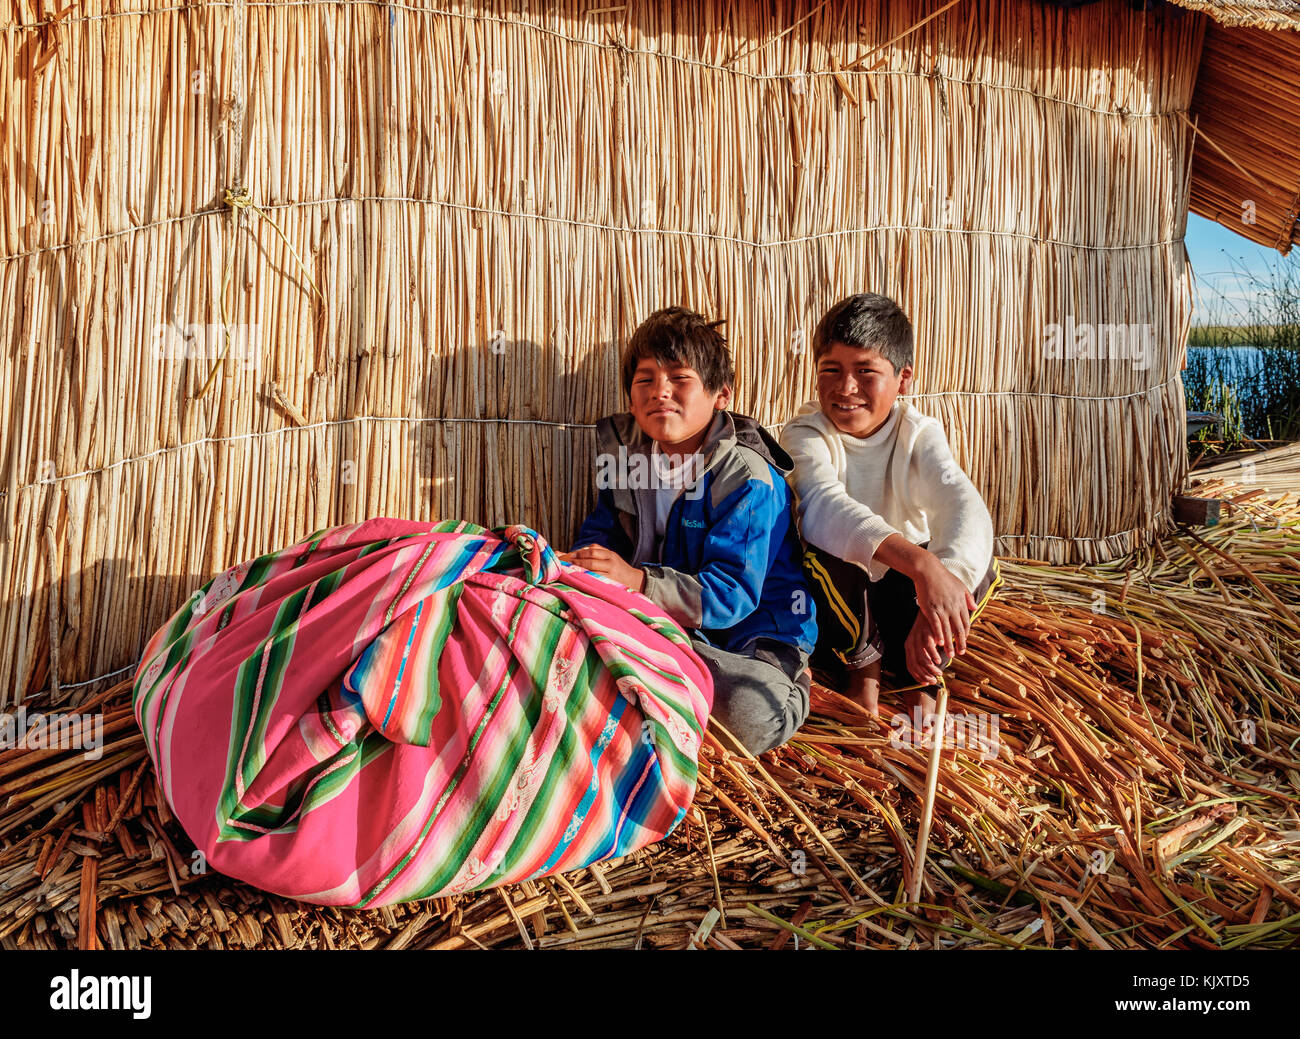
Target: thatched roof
[1258, 14]
[1246, 107]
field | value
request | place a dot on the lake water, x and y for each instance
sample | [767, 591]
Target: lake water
[1236, 362]
[1257, 388]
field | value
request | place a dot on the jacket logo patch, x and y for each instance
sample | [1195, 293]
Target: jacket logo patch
[697, 524]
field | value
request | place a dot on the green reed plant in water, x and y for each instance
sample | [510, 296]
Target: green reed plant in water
[1246, 364]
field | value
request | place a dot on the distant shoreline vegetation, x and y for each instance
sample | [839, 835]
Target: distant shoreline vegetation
[1234, 335]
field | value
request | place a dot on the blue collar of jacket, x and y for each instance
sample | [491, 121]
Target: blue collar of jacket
[720, 472]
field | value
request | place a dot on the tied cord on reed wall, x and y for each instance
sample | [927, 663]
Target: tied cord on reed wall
[239, 199]
[726, 66]
[704, 236]
[429, 420]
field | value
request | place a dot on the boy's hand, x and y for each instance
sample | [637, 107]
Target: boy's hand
[604, 561]
[946, 605]
[924, 659]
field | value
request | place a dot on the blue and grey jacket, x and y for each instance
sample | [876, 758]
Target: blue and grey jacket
[730, 567]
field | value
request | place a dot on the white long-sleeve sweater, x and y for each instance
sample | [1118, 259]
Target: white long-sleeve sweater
[854, 492]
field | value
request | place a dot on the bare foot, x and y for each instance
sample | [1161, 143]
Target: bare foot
[922, 698]
[864, 687]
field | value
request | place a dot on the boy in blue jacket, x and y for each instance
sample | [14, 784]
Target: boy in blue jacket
[693, 511]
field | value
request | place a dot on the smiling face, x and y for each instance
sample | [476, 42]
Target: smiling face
[857, 388]
[672, 407]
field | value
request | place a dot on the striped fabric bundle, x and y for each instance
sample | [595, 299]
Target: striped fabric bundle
[395, 710]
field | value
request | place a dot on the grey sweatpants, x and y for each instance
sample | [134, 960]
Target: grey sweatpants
[760, 694]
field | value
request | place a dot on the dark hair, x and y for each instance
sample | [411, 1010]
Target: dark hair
[871, 322]
[676, 335]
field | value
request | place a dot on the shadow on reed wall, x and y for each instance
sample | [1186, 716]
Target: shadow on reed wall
[491, 470]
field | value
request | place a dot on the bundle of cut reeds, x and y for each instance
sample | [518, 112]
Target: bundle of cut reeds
[1254, 474]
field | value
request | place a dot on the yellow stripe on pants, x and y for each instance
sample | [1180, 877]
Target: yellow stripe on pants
[838, 605]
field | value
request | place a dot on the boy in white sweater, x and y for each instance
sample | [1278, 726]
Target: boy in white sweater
[900, 543]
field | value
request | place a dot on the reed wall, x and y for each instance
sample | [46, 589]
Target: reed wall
[465, 208]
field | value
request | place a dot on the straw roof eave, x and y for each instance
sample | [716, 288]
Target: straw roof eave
[1255, 14]
[1246, 107]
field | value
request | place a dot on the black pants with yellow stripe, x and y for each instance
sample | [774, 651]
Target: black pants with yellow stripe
[860, 620]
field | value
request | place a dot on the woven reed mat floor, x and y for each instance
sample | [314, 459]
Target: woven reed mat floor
[1144, 793]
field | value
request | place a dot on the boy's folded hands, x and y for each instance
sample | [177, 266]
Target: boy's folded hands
[946, 605]
[605, 561]
[924, 659]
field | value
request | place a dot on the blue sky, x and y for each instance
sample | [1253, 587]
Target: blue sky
[1225, 264]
